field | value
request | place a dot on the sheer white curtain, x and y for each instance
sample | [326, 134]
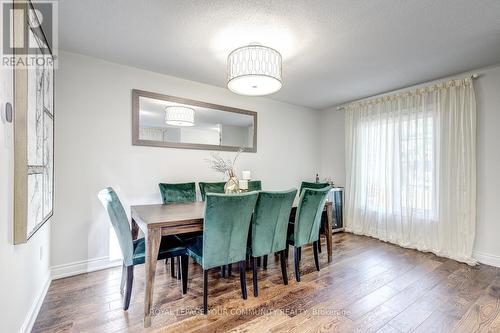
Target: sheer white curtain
[411, 169]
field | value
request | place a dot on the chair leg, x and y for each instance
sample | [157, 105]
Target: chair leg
[297, 264]
[172, 267]
[178, 268]
[258, 261]
[205, 291]
[128, 292]
[316, 259]
[223, 271]
[287, 249]
[300, 254]
[264, 262]
[184, 272]
[124, 277]
[324, 219]
[254, 277]
[243, 280]
[283, 267]
[229, 270]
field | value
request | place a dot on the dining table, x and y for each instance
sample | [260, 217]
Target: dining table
[157, 220]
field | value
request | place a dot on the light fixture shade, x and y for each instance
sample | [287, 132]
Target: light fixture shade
[179, 116]
[254, 70]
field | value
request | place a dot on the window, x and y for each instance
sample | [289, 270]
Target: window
[398, 164]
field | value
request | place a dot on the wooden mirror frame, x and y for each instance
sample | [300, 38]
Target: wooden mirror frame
[136, 141]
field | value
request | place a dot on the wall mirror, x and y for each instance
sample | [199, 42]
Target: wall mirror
[167, 121]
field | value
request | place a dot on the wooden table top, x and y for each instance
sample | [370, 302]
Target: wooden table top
[171, 214]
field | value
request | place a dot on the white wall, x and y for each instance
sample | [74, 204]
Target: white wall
[333, 145]
[24, 275]
[94, 150]
[487, 87]
[487, 245]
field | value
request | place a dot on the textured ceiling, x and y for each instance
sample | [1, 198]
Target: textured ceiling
[334, 51]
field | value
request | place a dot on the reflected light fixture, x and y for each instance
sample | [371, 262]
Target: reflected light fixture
[254, 70]
[179, 116]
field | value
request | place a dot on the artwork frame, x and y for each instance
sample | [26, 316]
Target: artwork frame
[34, 131]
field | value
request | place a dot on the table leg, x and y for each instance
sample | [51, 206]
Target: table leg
[153, 239]
[329, 223]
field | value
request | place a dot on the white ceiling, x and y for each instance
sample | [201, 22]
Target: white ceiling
[334, 51]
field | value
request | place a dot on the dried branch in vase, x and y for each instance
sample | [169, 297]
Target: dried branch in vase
[225, 166]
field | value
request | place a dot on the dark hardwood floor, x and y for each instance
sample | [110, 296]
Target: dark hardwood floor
[370, 286]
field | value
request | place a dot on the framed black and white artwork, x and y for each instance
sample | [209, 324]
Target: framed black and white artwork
[33, 132]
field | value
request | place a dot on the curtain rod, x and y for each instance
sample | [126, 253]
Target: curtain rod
[343, 106]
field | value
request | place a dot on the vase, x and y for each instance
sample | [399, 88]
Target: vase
[231, 185]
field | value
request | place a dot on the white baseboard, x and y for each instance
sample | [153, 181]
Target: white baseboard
[30, 319]
[486, 258]
[84, 266]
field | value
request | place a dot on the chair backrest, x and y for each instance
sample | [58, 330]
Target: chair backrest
[270, 221]
[210, 188]
[225, 228]
[119, 221]
[304, 185]
[254, 185]
[180, 192]
[308, 216]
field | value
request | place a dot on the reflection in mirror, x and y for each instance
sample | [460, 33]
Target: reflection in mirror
[175, 122]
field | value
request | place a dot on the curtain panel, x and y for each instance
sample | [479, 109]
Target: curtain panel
[411, 169]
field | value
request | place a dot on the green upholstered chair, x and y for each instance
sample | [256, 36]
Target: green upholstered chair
[269, 229]
[133, 251]
[225, 233]
[177, 193]
[304, 185]
[217, 187]
[305, 229]
[254, 185]
[210, 188]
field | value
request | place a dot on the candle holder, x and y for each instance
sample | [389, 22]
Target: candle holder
[243, 185]
[246, 175]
